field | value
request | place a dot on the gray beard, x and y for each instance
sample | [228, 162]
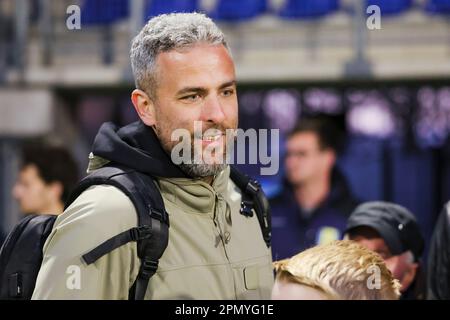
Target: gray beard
[202, 170]
[194, 170]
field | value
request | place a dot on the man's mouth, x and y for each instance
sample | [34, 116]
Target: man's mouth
[211, 138]
[209, 135]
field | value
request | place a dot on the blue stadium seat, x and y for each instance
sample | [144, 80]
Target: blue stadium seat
[308, 9]
[391, 7]
[237, 10]
[156, 7]
[103, 12]
[438, 6]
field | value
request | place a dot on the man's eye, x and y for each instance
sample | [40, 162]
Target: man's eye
[228, 92]
[191, 98]
[384, 255]
[297, 154]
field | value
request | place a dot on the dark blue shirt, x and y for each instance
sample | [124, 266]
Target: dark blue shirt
[294, 230]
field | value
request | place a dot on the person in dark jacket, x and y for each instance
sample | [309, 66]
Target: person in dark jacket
[316, 200]
[439, 258]
[392, 231]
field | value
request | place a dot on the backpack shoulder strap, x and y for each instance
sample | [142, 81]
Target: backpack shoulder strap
[152, 232]
[253, 197]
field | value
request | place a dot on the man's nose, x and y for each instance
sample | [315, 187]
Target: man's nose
[16, 192]
[213, 110]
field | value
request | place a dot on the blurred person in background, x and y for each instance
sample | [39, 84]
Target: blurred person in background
[392, 231]
[340, 270]
[314, 206]
[438, 272]
[47, 175]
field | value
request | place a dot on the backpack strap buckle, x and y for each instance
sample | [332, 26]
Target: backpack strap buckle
[160, 215]
[246, 208]
[140, 233]
[253, 187]
[148, 268]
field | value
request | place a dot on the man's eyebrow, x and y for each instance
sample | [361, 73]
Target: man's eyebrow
[228, 84]
[204, 90]
[192, 89]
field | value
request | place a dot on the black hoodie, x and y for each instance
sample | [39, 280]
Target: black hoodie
[135, 146]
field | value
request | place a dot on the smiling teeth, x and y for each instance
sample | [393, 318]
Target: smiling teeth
[212, 138]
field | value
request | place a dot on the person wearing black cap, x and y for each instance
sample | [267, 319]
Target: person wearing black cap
[392, 231]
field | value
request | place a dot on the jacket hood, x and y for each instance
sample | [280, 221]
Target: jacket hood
[135, 146]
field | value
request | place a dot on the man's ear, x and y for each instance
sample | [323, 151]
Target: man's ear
[330, 157]
[409, 276]
[144, 106]
[57, 189]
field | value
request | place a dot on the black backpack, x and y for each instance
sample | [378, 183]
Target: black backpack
[21, 254]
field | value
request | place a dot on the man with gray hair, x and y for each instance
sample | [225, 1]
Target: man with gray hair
[184, 77]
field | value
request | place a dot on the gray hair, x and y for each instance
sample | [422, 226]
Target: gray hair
[164, 33]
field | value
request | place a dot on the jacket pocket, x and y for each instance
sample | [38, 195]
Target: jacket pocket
[251, 277]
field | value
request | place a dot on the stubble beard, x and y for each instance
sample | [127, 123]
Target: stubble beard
[194, 170]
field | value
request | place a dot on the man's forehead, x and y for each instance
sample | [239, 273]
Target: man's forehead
[30, 171]
[302, 138]
[194, 56]
[30, 168]
[368, 234]
[205, 70]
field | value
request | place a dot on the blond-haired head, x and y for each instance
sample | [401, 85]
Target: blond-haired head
[340, 270]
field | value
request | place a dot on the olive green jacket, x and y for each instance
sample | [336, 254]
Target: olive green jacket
[214, 252]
